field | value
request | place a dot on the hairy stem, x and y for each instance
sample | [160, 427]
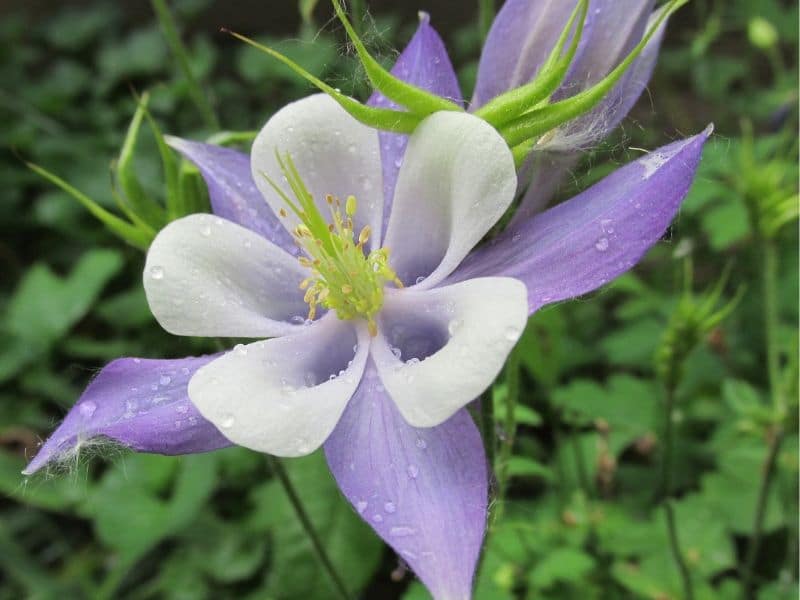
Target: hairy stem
[666, 491]
[510, 429]
[338, 583]
[769, 286]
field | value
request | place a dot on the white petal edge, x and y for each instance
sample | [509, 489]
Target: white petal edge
[456, 181]
[284, 396]
[334, 154]
[206, 276]
[481, 320]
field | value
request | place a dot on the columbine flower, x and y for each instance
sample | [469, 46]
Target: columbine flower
[410, 323]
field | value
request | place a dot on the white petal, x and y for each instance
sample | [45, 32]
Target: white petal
[456, 181]
[452, 343]
[206, 276]
[334, 154]
[284, 396]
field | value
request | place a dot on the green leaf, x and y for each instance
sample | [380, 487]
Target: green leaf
[561, 565]
[45, 306]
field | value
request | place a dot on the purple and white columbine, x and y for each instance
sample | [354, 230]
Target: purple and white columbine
[387, 408]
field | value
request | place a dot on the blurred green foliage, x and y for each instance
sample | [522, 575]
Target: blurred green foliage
[582, 508]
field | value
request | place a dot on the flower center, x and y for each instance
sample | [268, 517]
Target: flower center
[344, 278]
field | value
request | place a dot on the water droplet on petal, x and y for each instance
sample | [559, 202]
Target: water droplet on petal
[377, 518]
[421, 444]
[226, 421]
[361, 506]
[165, 380]
[402, 531]
[397, 353]
[512, 334]
[240, 349]
[412, 471]
[601, 245]
[157, 272]
[205, 230]
[389, 507]
[419, 279]
[87, 408]
[453, 326]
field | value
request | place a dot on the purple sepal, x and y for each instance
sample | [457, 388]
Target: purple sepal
[139, 403]
[424, 491]
[232, 191]
[586, 242]
[424, 63]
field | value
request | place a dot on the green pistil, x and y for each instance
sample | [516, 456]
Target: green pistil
[344, 278]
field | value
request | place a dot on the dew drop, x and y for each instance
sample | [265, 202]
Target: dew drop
[402, 531]
[413, 471]
[182, 408]
[205, 230]
[165, 380]
[421, 444]
[240, 349]
[157, 272]
[226, 421]
[453, 326]
[601, 245]
[419, 279]
[397, 352]
[389, 507]
[512, 334]
[361, 506]
[377, 518]
[87, 408]
[351, 148]
[137, 361]
[297, 320]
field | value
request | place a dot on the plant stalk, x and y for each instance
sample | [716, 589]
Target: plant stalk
[666, 491]
[308, 526]
[769, 287]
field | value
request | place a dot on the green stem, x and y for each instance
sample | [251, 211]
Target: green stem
[277, 468]
[666, 491]
[196, 93]
[487, 427]
[776, 438]
[769, 287]
[510, 429]
[486, 14]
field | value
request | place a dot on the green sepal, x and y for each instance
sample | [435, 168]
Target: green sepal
[511, 104]
[541, 120]
[192, 192]
[133, 194]
[379, 118]
[138, 236]
[415, 99]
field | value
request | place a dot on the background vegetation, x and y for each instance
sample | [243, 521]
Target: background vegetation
[581, 410]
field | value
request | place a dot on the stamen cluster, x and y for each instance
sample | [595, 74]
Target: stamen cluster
[344, 278]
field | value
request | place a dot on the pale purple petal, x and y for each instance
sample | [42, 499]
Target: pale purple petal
[284, 396]
[232, 191]
[206, 276]
[424, 491]
[457, 179]
[139, 403]
[550, 163]
[522, 36]
[437, 350]
[613, 28]
[525, 32]
[424, 63]
[586, 242]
